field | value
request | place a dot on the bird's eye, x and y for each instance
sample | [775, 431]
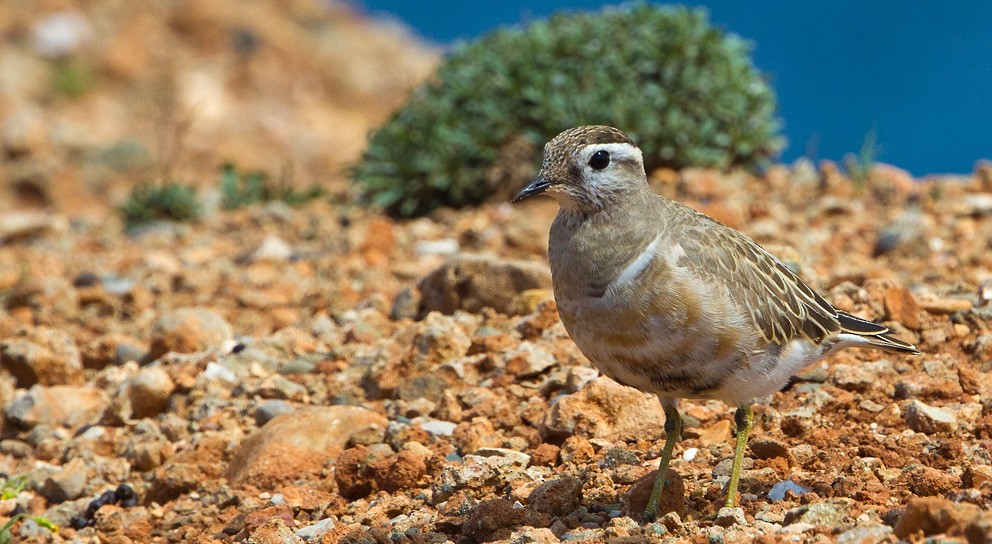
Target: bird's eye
[600, 159]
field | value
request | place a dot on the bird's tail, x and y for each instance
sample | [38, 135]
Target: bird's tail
[873, 334]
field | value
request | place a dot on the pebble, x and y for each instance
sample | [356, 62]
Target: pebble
[149, 392]
[270, 409]
[68, 406]
[273, 248]
[188, 330]
[924, 418]
[42, 355]
[315, 530]
[591, 413]
[66, 483]
[558, 497]
[728, 517]
[437, 427]
[516, 458]
[527, 360]
[472, 282]
[820, 514]
[718, 433]
[870, 534]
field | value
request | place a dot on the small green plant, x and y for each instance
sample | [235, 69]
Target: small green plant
[171, 202]
[13, 486]
[859, 166]
[10, 488]
[71, 78]
[683, 90]
[238, 191]
[6, 537]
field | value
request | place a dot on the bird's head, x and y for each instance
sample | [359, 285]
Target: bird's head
[587, 168]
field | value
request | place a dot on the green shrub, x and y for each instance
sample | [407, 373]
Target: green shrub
[255, 187]
[170, 202]
[682, 89]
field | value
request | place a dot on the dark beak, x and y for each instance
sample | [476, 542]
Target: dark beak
[535, 187]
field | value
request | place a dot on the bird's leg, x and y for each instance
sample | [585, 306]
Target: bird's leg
[673, 431]
[744, 417]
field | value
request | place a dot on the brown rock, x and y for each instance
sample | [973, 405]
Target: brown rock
[901, 306]
[545, 455]
[401, 471]
[576, 449]
[768, 448]
[297, 444]
[927, 481]
[188, 330]
[148, 392]
[605, 409]
[946, 306]
[274, 531]
[923, 418]
[60, 405]
[497, 518]
[529, 301]
[41, 355]
[260, 517]
[672, 498]
[352, 474]
[111, 349]
[187, 470]
[304, 497]
[718, 433]
[935, 515]
[557, 498]
[473, 282]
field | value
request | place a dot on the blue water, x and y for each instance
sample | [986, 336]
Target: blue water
[917, 73]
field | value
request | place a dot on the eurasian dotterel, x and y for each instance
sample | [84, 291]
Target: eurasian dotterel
[667, 300]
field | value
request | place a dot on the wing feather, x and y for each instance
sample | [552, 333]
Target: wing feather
[781, 306]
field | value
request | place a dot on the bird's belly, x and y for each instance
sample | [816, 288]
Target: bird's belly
[673, 346]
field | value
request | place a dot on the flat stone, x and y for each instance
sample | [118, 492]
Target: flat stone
[297, 444]
[927, 419]
[820, 514]
[188, 330]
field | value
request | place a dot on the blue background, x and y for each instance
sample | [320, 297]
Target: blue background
[917, 73]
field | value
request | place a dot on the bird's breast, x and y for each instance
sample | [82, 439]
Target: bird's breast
[646, 322]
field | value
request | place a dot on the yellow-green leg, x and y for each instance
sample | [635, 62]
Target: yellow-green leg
[744, 417]
[673, 431]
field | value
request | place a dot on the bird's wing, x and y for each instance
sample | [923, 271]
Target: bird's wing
[779, 303]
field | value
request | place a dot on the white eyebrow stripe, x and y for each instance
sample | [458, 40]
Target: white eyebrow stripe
[619, 151]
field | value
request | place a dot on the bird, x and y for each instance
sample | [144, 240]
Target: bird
[665, 299]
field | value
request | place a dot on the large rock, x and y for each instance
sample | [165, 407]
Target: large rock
[188, 330]
[60, 405]
[605, 409]
[936, 515]
[40, 355]
[297, 444]
[472, 282]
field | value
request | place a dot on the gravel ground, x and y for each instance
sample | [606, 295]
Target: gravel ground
[324, 374]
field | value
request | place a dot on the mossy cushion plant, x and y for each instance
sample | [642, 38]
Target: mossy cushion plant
[683, 90]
